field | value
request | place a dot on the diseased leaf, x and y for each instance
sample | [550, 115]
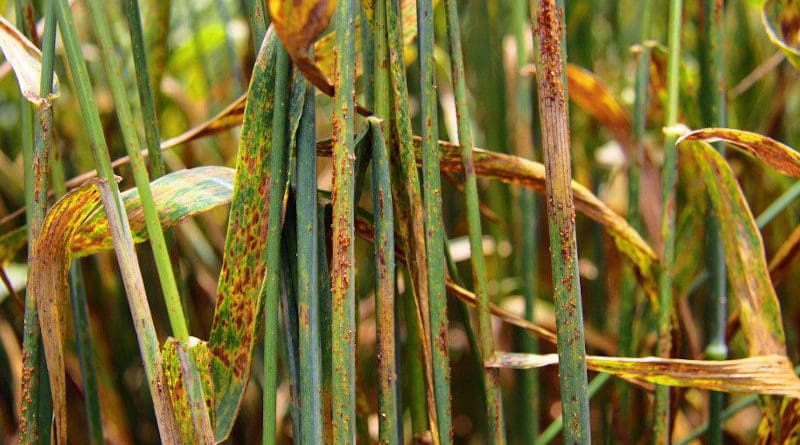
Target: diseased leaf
[239, 289]
[298, 24]
[26, 61]
[177, 196]
[781, 19]
[50, 264]
[515, 170]
[764, 374]
[779, 157]
[188, 376]
[748, 275]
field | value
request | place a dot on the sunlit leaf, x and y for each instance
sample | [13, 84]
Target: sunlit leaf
[781, 20]
[25, 59]
[765, 374]
[780, 157]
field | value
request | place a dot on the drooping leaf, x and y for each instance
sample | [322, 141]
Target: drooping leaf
[48, 285]
[748, 275]
[764, 374]
[26, 61]
[187, 368]
[515, 170]
[299, 24]
[781, 19]
[778, 156]
[177, 196]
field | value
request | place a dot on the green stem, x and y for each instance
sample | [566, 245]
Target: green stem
[156, 235]
[277, 187]
[257, 13]
[528, 395]
[388, 432]
[145, 87]
[36, 140]
[494, 399]
[669, 177]
[629, 287]
[434, 231]
[307, 275]
[550, 64]
[713, 105]
[557, 425]
[343, 273]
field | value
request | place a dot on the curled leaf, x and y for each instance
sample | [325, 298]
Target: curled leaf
[48, 286]
[781, 19]
[764, 374]
[778, 156]
[26, 61]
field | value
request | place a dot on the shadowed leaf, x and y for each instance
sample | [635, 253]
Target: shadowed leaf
[780, 157]
[781, 19]
[26, 61]
[765, 374]
[786, 255]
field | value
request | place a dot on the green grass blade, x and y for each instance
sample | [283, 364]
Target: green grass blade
[550, 59]
[278, 171]
[308, 277]
[668, 184]
[382, 203]
[342, 274]
[145, 88]
[158, 243]
[494, 399]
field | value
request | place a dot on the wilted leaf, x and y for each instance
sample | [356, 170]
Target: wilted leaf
[48, 286]
[780, 157]
[26, 61]
[765, 374]
[298, 23]
[177, 196]
[781, 20]
[748, 275]
[187, 369]
[515, 170]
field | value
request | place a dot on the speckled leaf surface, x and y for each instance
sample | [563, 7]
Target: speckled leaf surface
[188, 376]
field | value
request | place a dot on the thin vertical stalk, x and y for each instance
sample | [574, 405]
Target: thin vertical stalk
[408, 194]
[131, 139]
[325, 316]
[528, 209]
[307, 275]
[35, 412]
[634, 217]
[668, 178]
[343, 276]
[257, 14]
[550, 64]
[156, 20]
[125, 251]
[713, 101]
[80, 311]
[557, 425]
[414, 375]
[434, 229]
[277, 188]
[367, 37]
[118, 222]
[494, 399]
[388, 431]
[145, 87]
